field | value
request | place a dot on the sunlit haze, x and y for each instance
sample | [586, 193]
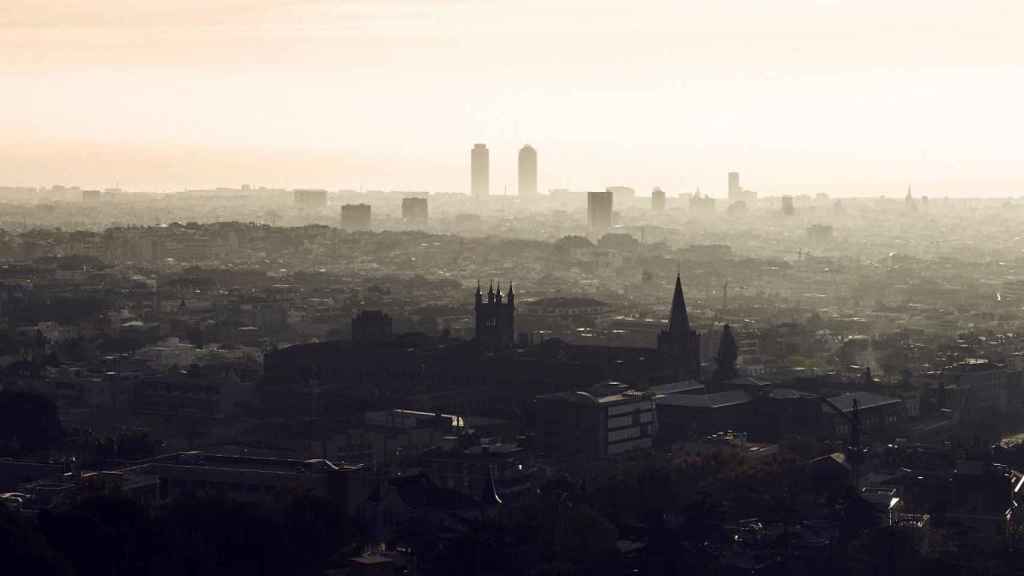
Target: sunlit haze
[848, 98]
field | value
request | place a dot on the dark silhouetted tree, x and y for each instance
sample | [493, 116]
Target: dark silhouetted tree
[24, 550]
[28, 423]
[725, 360]
[102, 535]
[136, 445]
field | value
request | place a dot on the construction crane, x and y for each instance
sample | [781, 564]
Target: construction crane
[854, 452]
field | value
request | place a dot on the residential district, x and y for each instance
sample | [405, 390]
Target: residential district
[314, 382]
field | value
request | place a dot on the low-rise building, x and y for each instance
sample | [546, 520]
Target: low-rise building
[474, 469]
[584, 425]
[876, 414]
[687, 416]
[982, 388]
[241, 478]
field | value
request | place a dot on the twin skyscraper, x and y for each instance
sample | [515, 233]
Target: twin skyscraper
[480, 171]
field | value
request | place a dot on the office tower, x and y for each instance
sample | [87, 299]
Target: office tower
[658, 200]
[311, 198]
[480, 171]
[787, 205]
[599, 211]
[414, 210]
[735, 192]
[355, 216]
[527, 171]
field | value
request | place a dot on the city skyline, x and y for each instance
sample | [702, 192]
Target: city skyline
[257, 261]
[850, 99]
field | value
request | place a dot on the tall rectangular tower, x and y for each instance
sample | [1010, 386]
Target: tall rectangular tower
[735, 192]
[657, 200]
[599, 211]
[527, 171]
[480, 171]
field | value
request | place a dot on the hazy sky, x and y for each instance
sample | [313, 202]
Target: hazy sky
[802, 96]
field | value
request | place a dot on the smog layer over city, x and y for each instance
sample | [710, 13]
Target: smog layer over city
[418, 287]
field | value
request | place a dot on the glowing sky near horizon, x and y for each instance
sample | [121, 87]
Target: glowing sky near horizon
[845, 97]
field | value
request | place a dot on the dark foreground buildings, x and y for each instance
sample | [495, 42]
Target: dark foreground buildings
[495, 374]
[371, 326]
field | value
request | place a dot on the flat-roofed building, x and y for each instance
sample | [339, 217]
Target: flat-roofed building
[584, 425]
[877, 414]
[689, 416]
[356, 216]
[977, 388]
[310, 198]
[414, 210]
[658, 200]
[241, 478]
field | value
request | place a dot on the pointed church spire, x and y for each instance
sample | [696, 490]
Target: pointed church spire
[679, 321]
